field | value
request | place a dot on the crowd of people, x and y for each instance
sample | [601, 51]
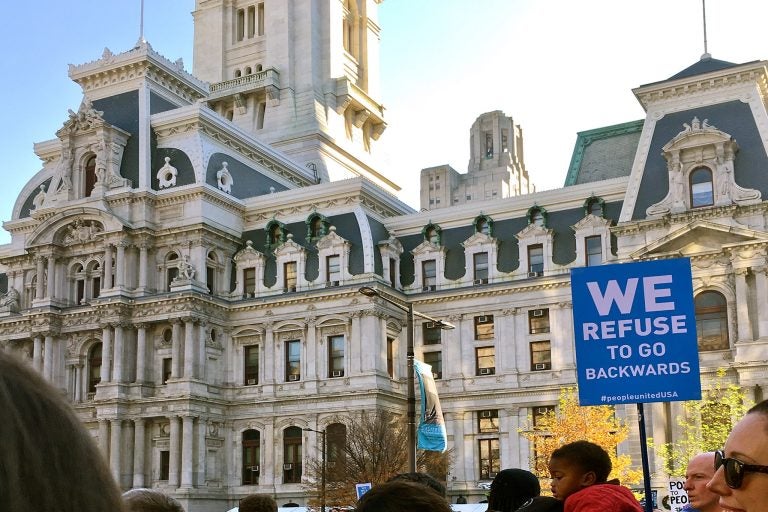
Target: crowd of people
[49, 462]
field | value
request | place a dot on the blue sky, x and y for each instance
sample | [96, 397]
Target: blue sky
[557, 67]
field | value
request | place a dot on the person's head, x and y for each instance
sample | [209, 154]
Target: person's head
[421, 478]
[48, 461]
[741, 474]
[257, 503]
[511, 488]
[150, 500]
[699, 473]
[401, 496]
[576, 465]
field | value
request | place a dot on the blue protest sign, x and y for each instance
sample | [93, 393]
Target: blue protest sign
[635, 333]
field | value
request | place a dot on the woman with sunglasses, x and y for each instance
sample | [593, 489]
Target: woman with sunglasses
[741, 469]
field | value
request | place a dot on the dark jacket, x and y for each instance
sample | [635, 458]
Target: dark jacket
[542, 504]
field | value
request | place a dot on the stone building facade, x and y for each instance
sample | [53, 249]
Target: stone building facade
[192, 284]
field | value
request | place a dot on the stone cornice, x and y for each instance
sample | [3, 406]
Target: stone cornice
[749, 73]
[683, 218]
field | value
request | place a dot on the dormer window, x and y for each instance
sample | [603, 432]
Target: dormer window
[537, 216]
[594, 206]
[275, 233]
[484, 225]
[432, 234]
[90, 176]
[317, 227]
[702, 189]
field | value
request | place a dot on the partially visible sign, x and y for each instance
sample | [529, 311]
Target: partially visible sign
[677, 497]
[361, 489]
[431, 432]
[635, 333]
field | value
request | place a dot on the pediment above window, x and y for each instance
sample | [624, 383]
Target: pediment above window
[533, 231]
[700, 237]
[331, 240]
[427, 247]
[289, 248]
[248, 255]
[591, 222]
[392, 244]
[479, 239]
[700, 165]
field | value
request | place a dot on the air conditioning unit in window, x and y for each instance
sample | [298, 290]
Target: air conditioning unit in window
[330, 284]
[337, 373]
[289, 289]
[485, 414]
[254, 469]
[542, 410]
[485, 371]
[480, 281]
[293, 378]
[428, 288]
[437, 375]
[483, 319]
[538, 312]
[536, 274]
[541, 366]
[430, 325]
[287, 467]
[251, 382]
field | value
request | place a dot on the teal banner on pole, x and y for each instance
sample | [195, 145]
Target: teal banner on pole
[431, 433]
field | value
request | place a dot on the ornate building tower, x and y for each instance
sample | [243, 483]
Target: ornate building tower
[302, 76]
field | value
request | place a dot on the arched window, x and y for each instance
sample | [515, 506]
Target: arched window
[537, 216]
[94, 367]
[712, 321]
[78, 281]
[171, 269]
[317, 226]
[292, 455]
[275, 233]
[94, 277]
[484, 225]
[210, 272]
[432, 234]
[248, 70]
[90, 176]
[336, 434]
[238, 73]
[259, 67]
[251, 457]
[702, 188]
[594, 206]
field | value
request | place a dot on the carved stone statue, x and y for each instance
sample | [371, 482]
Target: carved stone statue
[186, 270]
[39, 198]
[9, 302]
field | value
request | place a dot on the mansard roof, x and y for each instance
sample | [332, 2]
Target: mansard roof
[704, 65]
[604, 153]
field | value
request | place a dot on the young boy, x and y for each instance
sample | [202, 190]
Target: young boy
[579, 473]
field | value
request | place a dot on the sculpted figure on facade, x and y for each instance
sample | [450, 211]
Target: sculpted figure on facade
[9, 301]
[39, 199]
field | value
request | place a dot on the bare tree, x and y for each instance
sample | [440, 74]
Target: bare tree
[374, 449]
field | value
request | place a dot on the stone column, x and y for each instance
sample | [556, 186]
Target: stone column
[37, 353]
[176, 349]
[106, 353]
[78, 370]
[107, 283]
[143, 265]
[141, 353]
[742, 309]
[202, 337]
[104, 438]
[269, 354]
[39, 285]
[119, 350]
[139, 436]
[114, 449]
[120, 265]
[240, 282]
[509, 423]
[761, 289]
[144, 136]
[313, 353]
[457, 427]
[189, 348]
[174, 455]
[51, 290]
[48, 358]
[187, 447]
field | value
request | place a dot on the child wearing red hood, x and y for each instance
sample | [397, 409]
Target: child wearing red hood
[579, 473]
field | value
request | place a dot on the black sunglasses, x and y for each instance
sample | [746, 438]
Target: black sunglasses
[735, 469]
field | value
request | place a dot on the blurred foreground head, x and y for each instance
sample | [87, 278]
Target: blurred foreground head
[402, 496]
[48, 461]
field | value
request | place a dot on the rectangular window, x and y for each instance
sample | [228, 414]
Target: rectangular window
[488, 421]
[165, 464]
[541, 356]
[292, 360]
[210, 279]
[429, 274]
[539, 413]
[391, 357]
[593, 247]
[79, 299]
[490, 463]
[289, 276]
[435, 360]
[250, 281]
[251, 21]
[536, 259]
[96, 287]
[431, 333]
[484, 327]
[485, 358]
[393, 272]
[261, 19]
[333, 268]
[481, 267]
[538, 321]
[251, 370]
[336, 356]
[240, 24]
[167, 369]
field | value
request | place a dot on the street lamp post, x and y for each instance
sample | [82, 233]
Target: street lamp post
[322, 467]
[410, 383]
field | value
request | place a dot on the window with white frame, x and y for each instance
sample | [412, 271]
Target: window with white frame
[429, 274]
[336, 356]
[480, 267]
[434, 358]
[488, 421]
[541, 355]
[484, 327]
[593, 249]
[538, 321]
[251, 365]
[485, 361]
[292, 360]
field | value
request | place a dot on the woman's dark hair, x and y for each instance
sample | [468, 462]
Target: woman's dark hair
[48, 461]
[402, 496]
[511, 488]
